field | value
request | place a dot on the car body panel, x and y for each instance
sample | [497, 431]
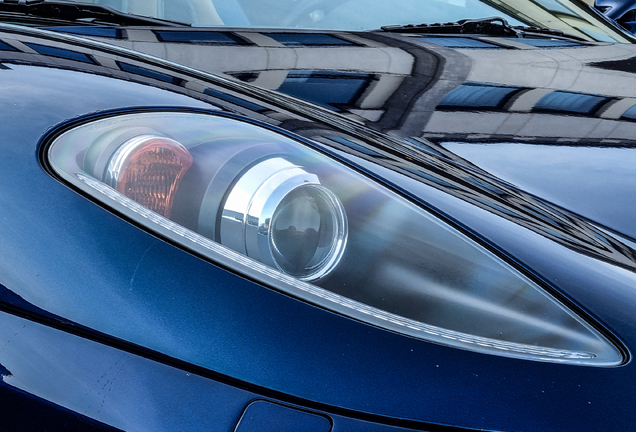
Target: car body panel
[95, 271]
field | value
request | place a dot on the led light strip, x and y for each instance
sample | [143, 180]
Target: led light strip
[505, 348]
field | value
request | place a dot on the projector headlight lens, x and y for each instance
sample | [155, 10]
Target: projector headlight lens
[280, 215]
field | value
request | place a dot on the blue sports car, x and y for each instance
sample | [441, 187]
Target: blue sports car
[316, 215]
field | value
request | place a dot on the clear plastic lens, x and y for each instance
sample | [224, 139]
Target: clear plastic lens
[280, 215]
[271, 207]
[308, 232]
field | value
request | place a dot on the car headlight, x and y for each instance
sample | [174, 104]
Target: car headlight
[271, 207]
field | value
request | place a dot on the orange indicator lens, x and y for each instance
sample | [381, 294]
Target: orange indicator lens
[148, 170]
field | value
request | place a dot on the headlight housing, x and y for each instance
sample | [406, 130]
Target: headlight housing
[269, 206]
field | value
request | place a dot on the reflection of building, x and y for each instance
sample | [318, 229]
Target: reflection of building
[431, 90]
[401, 84]
[573, 93]
[343, 72]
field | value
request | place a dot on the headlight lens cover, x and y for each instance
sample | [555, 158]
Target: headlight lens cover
[271, 207]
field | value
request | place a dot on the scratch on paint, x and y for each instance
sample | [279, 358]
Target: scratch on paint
[132, 279]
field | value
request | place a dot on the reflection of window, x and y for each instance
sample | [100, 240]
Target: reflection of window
[596, 35]
[554, 6]
[460, 42]
[630, 114]
[570, 102]
[484, 185]
[203, 37]
[234, 100]
[138, 70]
[330, 89]
[426, 148]
[478, 96]
[308, 39]
[104, 32]
[60, 52]
[355, 146]
[6, 47]
[430, 178]
[546, 43]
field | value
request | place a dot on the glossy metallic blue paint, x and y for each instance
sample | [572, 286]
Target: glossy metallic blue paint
[268, 417]
[178, 343]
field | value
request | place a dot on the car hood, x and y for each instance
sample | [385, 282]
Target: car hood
[443, 126]
[554, 118]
